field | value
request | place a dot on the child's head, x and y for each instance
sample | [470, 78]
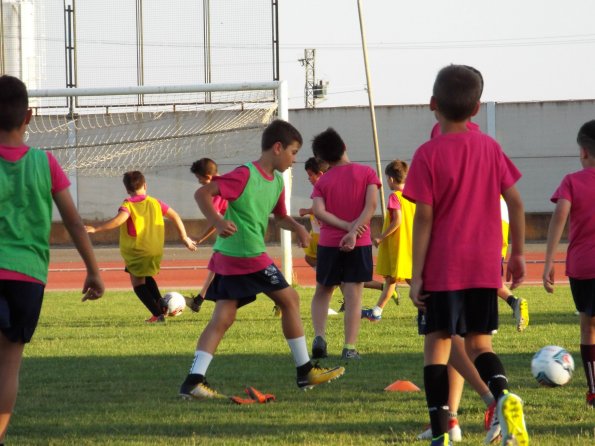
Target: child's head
[328, 146]
[14, 103]
[586, 141]
[133, 181]
[204, 169]
[280, 131]
[315, 169]
[457, 91]
[396, 171]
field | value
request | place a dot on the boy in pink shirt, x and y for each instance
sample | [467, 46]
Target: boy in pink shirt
[574, 198]
[344, 200]
[456, 180]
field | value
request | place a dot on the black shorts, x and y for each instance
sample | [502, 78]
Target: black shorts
[20, 305]
[583, 293]
[334, 267]
[245, 287]
[460, 312]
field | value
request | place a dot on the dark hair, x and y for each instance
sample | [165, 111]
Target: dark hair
[397, 170]
[316, 166]
[280, 131]
[204, 167]
[457, 91]
[328, 146]
[14, 103]
[586, 137]
[133, 180]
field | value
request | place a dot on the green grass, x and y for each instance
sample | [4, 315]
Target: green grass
[96, 374]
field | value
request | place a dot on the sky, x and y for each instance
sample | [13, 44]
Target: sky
[527, 50]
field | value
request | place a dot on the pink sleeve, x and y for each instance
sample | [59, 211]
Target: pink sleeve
[219, 204]
[59, 179]
[393, 203]
[232, 184]
[563, 191]
[164, 207]
[280, 210]
[510, 173]
[418, 187]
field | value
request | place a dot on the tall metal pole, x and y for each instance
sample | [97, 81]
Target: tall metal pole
[371, 102]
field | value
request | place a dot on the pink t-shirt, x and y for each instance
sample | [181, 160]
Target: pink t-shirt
[219, 204]
[137, 199]
[231, 185]
[393, 203]
[461, 176]
[579, 189]
[59, 183]
[343, 189]
[436, 130]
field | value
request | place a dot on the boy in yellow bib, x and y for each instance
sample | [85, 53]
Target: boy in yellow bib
[142, 235]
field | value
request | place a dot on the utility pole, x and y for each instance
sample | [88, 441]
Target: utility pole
[309, 62]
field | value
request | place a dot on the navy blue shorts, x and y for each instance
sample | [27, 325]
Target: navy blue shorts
[473, 310]
[583, 293]
[245, 287]
[20, 305]
[334, 267]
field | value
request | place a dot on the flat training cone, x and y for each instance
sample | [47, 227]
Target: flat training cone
[332, 312]
[402, 386]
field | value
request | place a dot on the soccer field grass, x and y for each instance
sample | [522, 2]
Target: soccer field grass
[96, 374]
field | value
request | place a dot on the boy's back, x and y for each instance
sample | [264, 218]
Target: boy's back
[343, 188]
[461, 176]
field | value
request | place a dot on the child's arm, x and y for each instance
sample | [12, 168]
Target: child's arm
[305, 211]
[289, 223]
[110, 224]
[173, 215]
[204, 199]
[554, 233]
[93, 287]
[395, 222]
[422, 231]
[358, 226]
[320, 212]
[516, 214]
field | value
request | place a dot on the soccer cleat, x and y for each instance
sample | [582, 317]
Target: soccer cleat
[454, 432]
[319, 375]
[342, 307]
[154, 319]
[395, 297]
[491, 424]
[319, 348]
[512, 421]
[368, 313]
[276, 311]
[194, 302]
[349, 354]
[590, 400]
[162, 305]
[520, 310]
[442, 440]
[199, 391]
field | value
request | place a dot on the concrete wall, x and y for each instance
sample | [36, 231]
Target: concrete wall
[538, 136]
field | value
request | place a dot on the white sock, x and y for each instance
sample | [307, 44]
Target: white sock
[299, 350]
[201, 363]
[377, 311]
[488, 398]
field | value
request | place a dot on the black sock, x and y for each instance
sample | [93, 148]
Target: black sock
[588, 357]
[492, 373]
[510, 300]
[303, 370]
[193, 378]
[436, 384]
[152, 285]
[146, 297]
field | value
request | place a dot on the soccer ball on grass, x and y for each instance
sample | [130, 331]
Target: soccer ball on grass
[175, 303]
[552, 366]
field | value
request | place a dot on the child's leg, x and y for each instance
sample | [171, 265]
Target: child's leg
[588, 354]
[390, 284]
[463, 365]
[152, 285]
[206, 284]
[223, 317]
[11, 354]
[436, 353]
[488, 364]
[352, 292]
[310, 261]
[320, 303]
[373, 285]
[519, 306]
[145, 295]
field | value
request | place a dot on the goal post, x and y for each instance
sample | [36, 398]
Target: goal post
[103, 132]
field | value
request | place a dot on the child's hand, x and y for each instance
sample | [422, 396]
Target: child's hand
[304, 211]
[303, 237]
[93, 287]
[515, 270]
[415, 293]
[225, 228]
[548, 276]
[347, 243]
[90, 229]
[377, 242]
[190, 244]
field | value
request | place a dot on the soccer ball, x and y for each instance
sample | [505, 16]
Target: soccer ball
[175, 303]
[552, 366]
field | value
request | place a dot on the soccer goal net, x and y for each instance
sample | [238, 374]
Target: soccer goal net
[107, 131]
